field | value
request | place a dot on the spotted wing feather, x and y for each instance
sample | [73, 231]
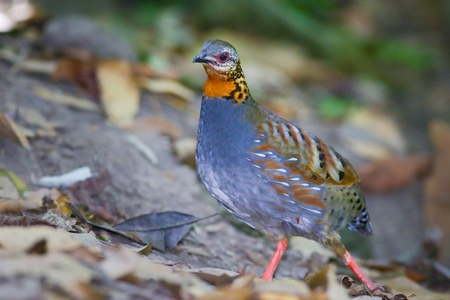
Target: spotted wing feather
[316, 162]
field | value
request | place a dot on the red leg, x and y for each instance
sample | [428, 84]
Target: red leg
[351, 264]
[281, 248]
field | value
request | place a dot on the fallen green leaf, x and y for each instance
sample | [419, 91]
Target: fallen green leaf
[20, 185]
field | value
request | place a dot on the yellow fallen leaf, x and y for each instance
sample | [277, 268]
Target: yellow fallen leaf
[20, 186]
[10, 130]
[119, 92]
[144, 250]
[62, 204]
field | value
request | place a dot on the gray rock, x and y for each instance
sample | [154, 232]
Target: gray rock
[74, 31]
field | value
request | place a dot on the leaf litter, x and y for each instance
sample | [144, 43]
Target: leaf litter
[117, 271]
[161, 231]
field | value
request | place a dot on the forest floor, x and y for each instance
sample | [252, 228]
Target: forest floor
[49, 251]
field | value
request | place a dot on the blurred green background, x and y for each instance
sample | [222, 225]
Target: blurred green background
[393, 54]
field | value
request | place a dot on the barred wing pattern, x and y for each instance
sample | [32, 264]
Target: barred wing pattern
[298, 165]
[321, 164]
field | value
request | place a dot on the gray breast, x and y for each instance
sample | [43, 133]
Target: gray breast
[224, 138]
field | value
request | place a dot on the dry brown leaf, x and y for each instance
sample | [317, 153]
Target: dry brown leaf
[214, 276]
[10, 130]
[83, 192]
[167, 86]
[80, 70]
[16, 205]
[285, 289]
[121, 262]
[437, 187]
[68, 70]
[155, 123]
[60, 98]
[37, 196]
[21, 238]
[235, 294]
[241, 288]
[57, 269]
[143, 70]
[393, 173]
[119, 92]
[23, 221]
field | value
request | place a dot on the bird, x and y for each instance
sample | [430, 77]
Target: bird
[269, 173]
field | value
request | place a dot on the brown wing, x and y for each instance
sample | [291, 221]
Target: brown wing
[306, 154]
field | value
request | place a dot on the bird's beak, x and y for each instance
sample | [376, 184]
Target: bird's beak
[201, 58]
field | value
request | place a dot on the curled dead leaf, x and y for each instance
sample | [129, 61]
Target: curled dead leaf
[215, 276]
[145, 250]
[10, 130]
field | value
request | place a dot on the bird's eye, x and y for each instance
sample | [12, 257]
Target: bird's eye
[223, 57]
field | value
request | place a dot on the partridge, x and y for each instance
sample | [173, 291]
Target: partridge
[269, 173]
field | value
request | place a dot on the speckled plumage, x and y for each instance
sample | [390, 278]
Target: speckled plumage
[269, 173]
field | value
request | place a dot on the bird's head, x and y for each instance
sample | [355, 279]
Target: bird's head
[225, 76]
[218, 56]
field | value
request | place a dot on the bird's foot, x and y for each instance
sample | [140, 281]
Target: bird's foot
[374, 289]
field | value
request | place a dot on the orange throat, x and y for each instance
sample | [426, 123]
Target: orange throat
[229, 86]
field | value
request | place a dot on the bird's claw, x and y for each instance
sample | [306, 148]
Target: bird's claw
[373, 291]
